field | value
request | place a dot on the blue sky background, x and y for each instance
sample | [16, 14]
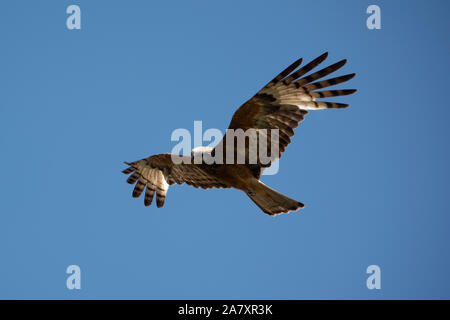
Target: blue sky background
[75, 104]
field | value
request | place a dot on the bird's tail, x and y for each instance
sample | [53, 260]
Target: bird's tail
[271, 201]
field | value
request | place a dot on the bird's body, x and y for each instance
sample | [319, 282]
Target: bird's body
[233, 176]
[277, 108]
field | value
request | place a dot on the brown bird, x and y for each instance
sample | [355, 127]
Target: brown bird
[272, 113]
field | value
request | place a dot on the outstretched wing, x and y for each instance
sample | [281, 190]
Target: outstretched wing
[157, 172]
[285, 101]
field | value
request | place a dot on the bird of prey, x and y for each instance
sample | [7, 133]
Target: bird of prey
[280, 105]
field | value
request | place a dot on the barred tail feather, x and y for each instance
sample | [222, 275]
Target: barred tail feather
[271, 201]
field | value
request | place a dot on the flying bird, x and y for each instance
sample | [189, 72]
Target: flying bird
[278, 107]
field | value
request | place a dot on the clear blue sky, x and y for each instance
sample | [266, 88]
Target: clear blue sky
[75, 104]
